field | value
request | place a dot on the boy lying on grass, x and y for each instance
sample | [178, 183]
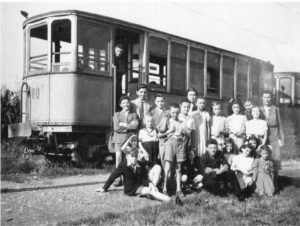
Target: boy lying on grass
[136, 180]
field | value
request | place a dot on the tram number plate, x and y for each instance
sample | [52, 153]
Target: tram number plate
[57, 129]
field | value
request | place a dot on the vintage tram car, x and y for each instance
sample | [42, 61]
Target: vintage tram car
[69, 81]
[287, 88]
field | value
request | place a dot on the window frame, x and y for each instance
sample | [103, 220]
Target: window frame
[159, 87]
[71, 52]
[186, 44]
[109, 52]
[219, 89]
[28, 48]
[200, 48]
[247, 61]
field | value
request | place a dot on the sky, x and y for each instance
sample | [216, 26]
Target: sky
[265, 30]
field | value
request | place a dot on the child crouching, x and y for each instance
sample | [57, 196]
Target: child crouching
[191, 172]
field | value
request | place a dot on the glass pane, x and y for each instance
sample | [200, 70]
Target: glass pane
[197, 70]
[228, 77]
[242, 79]
[158, 49]
[158, 46]
[298, 89]
[255, 72]
[213, 74]
[93, 47]
[38, 57]
[61, 46]
[178, 68]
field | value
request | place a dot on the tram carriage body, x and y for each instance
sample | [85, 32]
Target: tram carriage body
[70, 80]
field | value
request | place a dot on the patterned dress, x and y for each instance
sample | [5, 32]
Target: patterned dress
[263, 176]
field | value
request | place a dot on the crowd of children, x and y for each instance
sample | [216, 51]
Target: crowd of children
[201, 149]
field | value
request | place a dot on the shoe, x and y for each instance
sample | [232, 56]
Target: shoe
[178, 201]
[241, 198]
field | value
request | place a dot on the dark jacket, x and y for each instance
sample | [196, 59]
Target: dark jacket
[192, 169]
[207, 161]
[132, 180]
[120, 132]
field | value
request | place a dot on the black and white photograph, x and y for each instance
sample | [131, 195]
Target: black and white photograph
[150, 112]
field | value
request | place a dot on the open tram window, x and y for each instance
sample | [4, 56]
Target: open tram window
[178, 68]
[228, 77]
[213, 74]
[38, 56]
[61, 46]
[158, 51]
[197, 70]
[93, 48]
[242, 79]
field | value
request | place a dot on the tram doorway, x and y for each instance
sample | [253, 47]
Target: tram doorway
[127, 62]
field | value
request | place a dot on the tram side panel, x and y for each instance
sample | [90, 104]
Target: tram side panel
[80, 100]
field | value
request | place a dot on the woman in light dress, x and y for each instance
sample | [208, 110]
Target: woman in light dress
[257, 127]
[202, 131]
[236, 124]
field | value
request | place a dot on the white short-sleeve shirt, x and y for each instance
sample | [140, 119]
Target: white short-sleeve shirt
[256, 127]
[147, 135]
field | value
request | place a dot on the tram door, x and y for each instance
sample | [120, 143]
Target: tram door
[285, 89]
[127, 62]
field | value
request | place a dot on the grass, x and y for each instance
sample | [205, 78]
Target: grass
[291, 128]
[17, 169]
[206, 209]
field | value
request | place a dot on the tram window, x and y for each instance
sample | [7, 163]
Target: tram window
[178, 68]
[228, 77]
[197, 69]
[135, 63]
[61, 46]
[255, 72]
[242, 79]
[38, 57]
[213, 74]
[93, 48]
[158, 50]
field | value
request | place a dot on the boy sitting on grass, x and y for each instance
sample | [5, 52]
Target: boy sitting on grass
[136, 180]
[216, 172]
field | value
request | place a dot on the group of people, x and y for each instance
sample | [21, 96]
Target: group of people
[201, 149]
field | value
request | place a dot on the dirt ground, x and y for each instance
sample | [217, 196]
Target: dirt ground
[39, 203]
[57, 200]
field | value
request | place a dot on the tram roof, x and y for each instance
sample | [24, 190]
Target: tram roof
[131, 25]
